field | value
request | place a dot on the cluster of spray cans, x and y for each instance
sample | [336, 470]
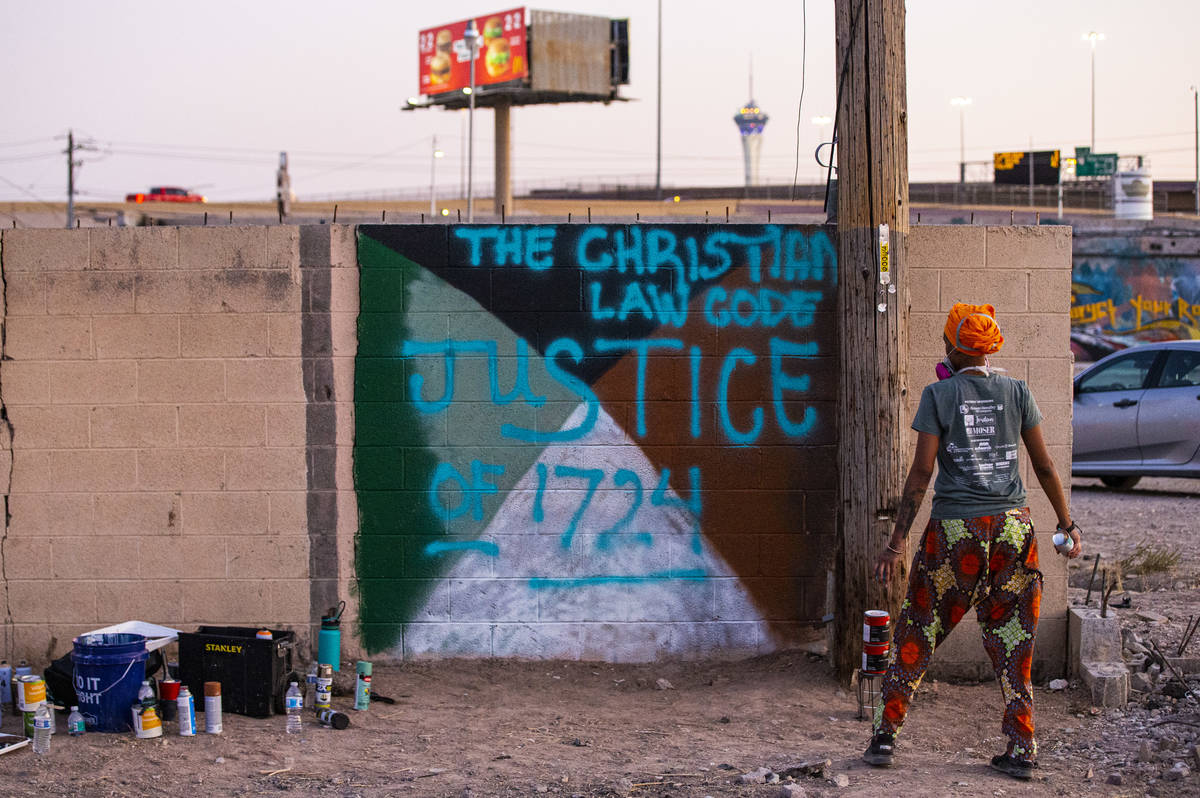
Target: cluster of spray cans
[877, 641]
[175, 702]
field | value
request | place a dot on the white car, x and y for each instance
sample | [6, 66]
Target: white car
[1137, 414]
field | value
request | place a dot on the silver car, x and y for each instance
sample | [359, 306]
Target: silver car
[1137, 414]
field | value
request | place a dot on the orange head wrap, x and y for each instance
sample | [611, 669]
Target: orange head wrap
[972, 329]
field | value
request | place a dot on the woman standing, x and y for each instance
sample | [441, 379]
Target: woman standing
[978, 549]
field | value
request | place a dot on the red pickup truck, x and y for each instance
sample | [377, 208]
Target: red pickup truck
[165, 194]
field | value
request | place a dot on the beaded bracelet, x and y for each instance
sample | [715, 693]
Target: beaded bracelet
[894, 551]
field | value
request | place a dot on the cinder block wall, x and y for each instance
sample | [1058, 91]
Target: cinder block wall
[156, 417]
[1025, 272]
[180, 415]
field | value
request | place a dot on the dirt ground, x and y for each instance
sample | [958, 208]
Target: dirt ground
[494, 728]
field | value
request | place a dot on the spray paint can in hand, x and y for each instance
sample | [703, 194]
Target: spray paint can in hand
[324, 699]
[333, 718]
[362, 687]
[186, 710]
[212, 708]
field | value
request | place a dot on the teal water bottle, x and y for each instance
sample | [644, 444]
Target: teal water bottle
[329, 641]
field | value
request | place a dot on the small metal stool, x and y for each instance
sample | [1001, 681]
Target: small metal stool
[869, 685]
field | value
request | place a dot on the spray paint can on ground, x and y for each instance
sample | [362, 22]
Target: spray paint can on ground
[212, 708]
[877, 641]
[877, 627]
[31, 692]
[324, 699]
[146, 722]
[333, 718]
[22, 669]
[6, 676]
[186, 711]
[362, 687]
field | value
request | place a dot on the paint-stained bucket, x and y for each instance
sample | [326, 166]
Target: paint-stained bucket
[877, 627]
[109, 669]
[875, 657]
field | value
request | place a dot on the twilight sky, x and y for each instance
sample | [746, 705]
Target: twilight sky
[206, 95]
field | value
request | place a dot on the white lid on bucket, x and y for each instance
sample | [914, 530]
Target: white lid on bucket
[156, 636]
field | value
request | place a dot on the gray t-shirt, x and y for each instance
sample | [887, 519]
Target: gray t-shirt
[978, 421]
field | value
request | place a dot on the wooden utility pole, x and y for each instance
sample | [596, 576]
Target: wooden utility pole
[872, 170]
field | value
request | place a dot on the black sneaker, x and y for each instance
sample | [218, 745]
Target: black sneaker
[1010, 765]
[879, 752]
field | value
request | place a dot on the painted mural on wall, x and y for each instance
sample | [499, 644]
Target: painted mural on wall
[593, 441]
[1127, 290]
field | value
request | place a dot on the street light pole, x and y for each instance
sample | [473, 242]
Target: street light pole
[471, 37]
[961, 103]
[433, 179]
[1196, 133]
[1093, 37]
[658, 149]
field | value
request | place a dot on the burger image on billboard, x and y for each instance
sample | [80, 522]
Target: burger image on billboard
[492, 29]
[498, 57]
[444, 39]
[439, 68]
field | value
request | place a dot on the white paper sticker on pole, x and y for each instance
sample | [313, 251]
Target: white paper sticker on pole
[885, 266]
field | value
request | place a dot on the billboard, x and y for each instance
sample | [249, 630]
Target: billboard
[443, 60]
[1012, 168]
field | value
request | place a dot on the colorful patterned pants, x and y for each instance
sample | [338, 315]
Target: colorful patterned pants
[989, 563]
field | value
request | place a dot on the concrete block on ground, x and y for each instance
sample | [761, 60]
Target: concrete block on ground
[1107, 681]
[1091, 638]
[1094, 655]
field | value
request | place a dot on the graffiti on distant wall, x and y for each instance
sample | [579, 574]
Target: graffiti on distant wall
[589, 423]
[1122, 295]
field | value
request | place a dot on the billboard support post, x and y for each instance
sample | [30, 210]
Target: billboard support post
[502, 195]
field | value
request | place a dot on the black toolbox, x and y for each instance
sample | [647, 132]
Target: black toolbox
[253, 671]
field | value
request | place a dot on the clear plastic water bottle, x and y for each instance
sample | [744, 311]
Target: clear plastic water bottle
[42, 721]
[75, 723]
[294, 702]
[145, 695]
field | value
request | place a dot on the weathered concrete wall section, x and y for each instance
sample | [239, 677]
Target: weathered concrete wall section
[329, 268]
[1025, 272]
[598, 442]
[152, 380]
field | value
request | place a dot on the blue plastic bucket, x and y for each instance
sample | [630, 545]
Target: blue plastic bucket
[109, 669]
